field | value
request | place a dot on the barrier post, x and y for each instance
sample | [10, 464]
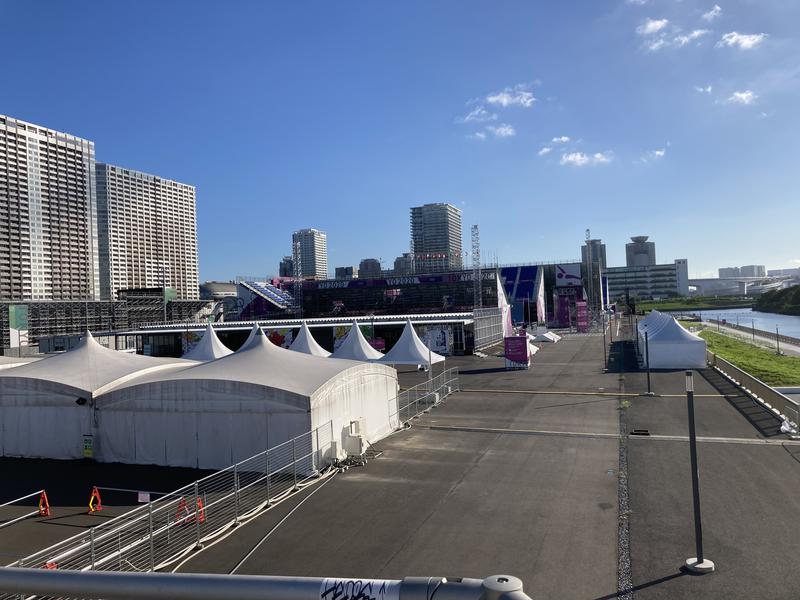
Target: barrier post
[197, 515]
[778, 340]
[294, 464]
[235, 493]
[150, 533]
[267, 474]
[647, 358]
[91, 547]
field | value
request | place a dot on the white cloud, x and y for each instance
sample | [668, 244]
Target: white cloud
[580, 159]
[745, 97]
[651, 26]
[745, 41]
[657, 44]
[561, 139]
[478, 135]
[545, 150]
[478, 115]
[516, 96]
[503, 130]
[713, 13]
[653, 155]
[703, 90]
[637, 2]
[682, 40]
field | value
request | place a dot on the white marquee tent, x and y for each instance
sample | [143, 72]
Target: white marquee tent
[409, 350]
[46, 406]
[356, 347]
[208, 347]
[670, 345]
[305, 342]
[8, 362]
[220, 412]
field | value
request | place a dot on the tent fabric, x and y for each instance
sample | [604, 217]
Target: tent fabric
[46, 406]
[547, 337]
[669, 345]
[208, 348]
[9, 362]
[356, 347]
[305, 342]
[409, 350]
[216, 413]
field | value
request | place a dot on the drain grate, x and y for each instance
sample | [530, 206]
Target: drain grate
[640, 432]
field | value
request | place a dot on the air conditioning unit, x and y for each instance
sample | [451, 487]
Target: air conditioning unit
[355, 442]
[358, 427]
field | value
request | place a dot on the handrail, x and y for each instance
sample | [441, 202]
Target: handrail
[26, 515]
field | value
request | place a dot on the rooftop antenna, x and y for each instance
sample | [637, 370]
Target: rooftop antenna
[477, 300]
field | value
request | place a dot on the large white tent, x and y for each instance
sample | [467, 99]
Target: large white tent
[9, 362]
[668, 344]
[46, 406]
[208, 347]
[216, 413]
[305, 343]
[356, 347]
[409, 350]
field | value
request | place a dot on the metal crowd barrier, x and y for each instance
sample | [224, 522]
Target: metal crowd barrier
[784, 407]
[418, 399]
[154, 535]
[161, 586]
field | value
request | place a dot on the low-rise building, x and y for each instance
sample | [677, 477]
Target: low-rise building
[649, 281]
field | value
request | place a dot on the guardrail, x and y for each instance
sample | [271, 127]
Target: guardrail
[418, 399]
[42, 508]
[157, 534]
[782, 406]
[159, 586]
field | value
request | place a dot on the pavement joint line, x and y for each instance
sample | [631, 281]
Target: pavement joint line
[615, 436]
[614, 394]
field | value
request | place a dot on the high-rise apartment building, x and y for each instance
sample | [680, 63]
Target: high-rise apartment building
[147, 232]
[311, 247]
[286, 267]
[595, 249]
[48, 214]
[639, 252]
[593, 256]
[754, 271]
[436, 238]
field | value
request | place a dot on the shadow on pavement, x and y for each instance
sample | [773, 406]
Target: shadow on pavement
[758, 416]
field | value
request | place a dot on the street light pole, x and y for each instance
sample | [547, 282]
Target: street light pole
[605, 350]
[696, 564]
[778, 340]
[647, 359]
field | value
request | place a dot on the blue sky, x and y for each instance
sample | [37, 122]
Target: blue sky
[681, 116]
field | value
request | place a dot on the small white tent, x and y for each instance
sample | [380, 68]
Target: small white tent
[668, 344]
[220, 412]
[409, 350]
[546, 337]
[305, 342]
[46, 406]
[356, 347]
[208, 347]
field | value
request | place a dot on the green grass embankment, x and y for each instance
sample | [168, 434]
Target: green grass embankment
[761, 363]
[694, 303]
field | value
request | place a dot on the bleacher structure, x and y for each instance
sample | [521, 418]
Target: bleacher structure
[274, 295]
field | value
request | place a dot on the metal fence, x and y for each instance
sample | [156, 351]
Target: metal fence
[488, 326]
[154, 535]
[783, 406]
[416, 400]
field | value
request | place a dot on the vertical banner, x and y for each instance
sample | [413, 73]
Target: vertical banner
[582, 316]
[539, 295]
[18, 325]
[517, 352]
[439, 338]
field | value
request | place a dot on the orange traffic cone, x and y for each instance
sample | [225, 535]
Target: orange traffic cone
[201, 511]
[44, 505]
[95, 502]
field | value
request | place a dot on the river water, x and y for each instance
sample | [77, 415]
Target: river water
[787, 324]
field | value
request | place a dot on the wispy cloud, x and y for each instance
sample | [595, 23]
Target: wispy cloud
[713, 13]
[746, 97]
[477, 115]
[478, 135]
[581, 159]
[743, 41]
[637, 2]
[653, 155]
[703, 90]
[503, 130]
[652, 26]
[544, 151]
[682, 40]
[519, 95]
[561, 139]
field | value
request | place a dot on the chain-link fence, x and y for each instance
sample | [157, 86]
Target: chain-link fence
[154, 535]
[416, 400]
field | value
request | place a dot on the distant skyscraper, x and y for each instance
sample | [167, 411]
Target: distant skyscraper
[286, 267]
[598, 253]
[436, 238]
[369, 268]
[48, 214]
[404, 265]
[313, 252]
[639, 252]
[754, 271]
[725, 272]
[346, 272]
[147, 232]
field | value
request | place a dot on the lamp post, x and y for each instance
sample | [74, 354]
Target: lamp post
[647, 359]
[605, 350]
[778, 340]
[699, 563]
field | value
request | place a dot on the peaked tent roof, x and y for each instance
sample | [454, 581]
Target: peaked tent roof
[409, 350]
[208, 348]
[305, 343]
[250, 338]
[263, 363]
[356, 347]
[89, 368]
